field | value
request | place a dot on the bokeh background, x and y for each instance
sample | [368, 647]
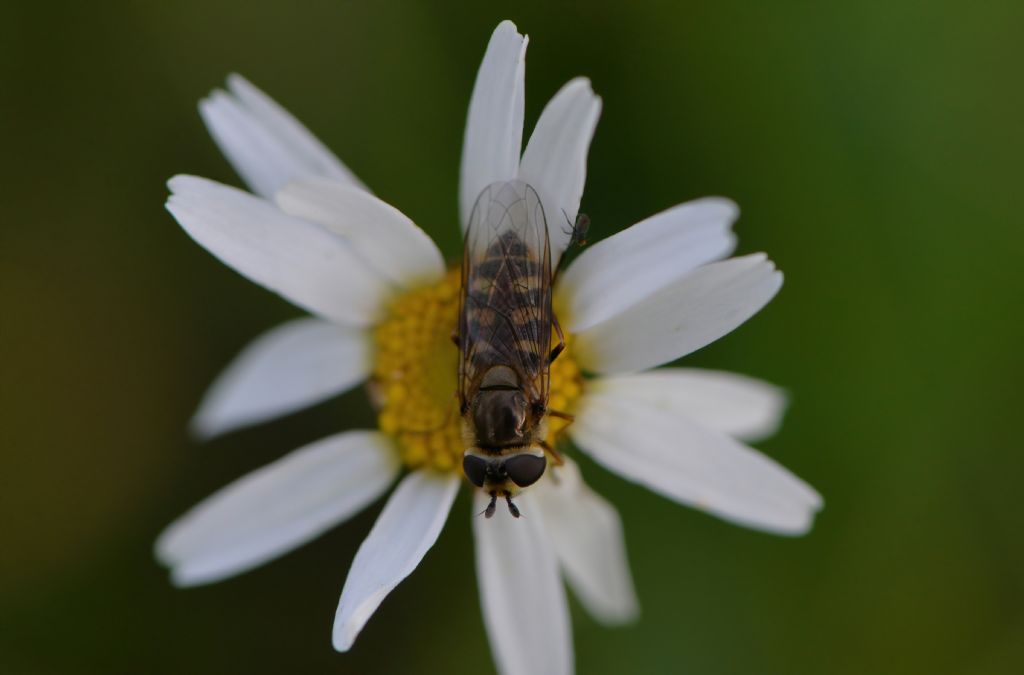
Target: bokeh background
[875, 149]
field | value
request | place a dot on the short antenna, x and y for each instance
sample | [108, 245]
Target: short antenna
[512, 508]
[489, 511]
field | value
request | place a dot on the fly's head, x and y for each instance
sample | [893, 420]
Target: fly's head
[503, 432]
[504, 475]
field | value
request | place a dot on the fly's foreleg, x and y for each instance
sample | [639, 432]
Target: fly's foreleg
[562, 415]
[569, 419]
[556, 456]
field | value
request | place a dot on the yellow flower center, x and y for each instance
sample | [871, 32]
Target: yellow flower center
[415, 377]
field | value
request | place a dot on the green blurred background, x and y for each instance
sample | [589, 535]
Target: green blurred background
[875, 149]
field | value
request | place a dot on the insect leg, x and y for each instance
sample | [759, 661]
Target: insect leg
[572, 227]
[569, 419]
[556, 456]
[560, 347]
[562, 415]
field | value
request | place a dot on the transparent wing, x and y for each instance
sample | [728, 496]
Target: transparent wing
[505, 315]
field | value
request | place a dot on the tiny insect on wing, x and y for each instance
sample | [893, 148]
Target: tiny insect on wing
[580, 229]
[577, 229]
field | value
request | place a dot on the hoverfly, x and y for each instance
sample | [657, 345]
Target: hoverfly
[504, 338]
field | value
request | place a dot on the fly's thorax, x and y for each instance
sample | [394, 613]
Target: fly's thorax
[495, 440]
[499, 417]
[501, 414]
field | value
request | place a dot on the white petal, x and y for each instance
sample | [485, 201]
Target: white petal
[311, 267]
[289, 367]
[679, 318]
[621, 270]
[494, 127]
[733, 404]
[405, 530]
[587, 537]
[524, 604]
[555, 160]
[265, 144]
[278, 507]
[378, 232]
[693, 465]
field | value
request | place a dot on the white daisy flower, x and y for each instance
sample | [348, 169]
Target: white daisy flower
[384, 307]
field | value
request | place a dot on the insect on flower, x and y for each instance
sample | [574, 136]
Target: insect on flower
[505, 322]
[384, 306]
[579, 229]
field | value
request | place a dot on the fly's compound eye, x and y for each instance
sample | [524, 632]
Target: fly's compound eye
[525, 469]
[475, 469]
